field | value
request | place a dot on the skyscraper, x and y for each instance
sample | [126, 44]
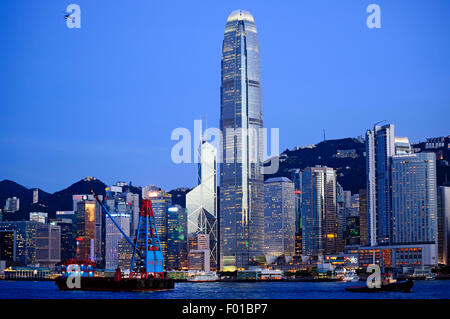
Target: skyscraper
[89, 224]
[279, 218]
[161, 201]
[48, 245]
[444, 224]
[201, 202]
[177, 243]
[380, 147]
[241, 180]
[414, 199]
[319, 211]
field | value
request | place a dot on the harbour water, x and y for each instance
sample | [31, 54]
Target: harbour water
[435, 289]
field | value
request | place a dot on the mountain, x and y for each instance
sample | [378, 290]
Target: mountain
[346, 155]
[48, 203]
[12, 189]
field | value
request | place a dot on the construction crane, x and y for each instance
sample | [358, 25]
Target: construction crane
[148, 259]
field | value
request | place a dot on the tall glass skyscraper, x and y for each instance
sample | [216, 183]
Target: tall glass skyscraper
[241, 182]
[380, 147]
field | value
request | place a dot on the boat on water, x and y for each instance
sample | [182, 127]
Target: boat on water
[112, 284]
[346, 275]
[147, 263]
[81, 275]
[387, 284]
[202, 276]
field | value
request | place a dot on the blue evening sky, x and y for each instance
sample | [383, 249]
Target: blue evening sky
[103, 100]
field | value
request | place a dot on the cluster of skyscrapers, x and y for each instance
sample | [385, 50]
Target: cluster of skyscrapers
[401, 218]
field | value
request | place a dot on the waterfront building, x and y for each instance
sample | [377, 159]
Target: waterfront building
[114, 236]
[241, 182]
[201, 201]
[319, 207]
[341, 213]
[68, 243]
[296, 177]
[161, 201]
[363, 221]
[23, 245]
[177, 244]
[48, 245]
[198, 258]
[398, 256]
[279, 218]
[380, 147]
[89, 224]
[443, 207]
[414, 199]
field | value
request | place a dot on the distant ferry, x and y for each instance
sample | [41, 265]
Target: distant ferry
[202, 276]
[347, 275]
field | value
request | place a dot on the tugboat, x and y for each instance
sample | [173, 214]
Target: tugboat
[388, 284]
[147, 264]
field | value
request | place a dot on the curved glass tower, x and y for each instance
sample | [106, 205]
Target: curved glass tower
[241, 182]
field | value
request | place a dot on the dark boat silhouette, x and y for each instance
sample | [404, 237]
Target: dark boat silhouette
[399, 286]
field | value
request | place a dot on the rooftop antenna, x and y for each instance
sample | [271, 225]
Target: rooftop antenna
[324, 139]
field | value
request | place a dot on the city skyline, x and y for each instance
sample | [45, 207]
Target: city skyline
[58, 90]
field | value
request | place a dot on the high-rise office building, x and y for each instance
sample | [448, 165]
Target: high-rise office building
[443, 207]
[48, 245]
[363, 223]
[414, 199]
[296, 177]
[89, 224]
[177, 243]
[122, 207]
[341, 215]
[24, 244]
[380, 147]
[241, 180]
[198, 258]
[279, 218]
[201, 201]
[68, 232]
[161, 201]
[319, 209]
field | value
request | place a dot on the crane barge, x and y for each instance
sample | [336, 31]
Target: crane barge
[147, 263]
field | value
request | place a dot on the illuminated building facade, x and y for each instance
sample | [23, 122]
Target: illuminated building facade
[89, 223]
[241, 180]
[414, 199]
[397, 256]
[177, 244]
[25, 241]
[380, 147]
[161, 201]
[444, 224]
[201, 202]
[319, 208]
[279, 218]
[198, 258]
[48, 245]
[68, 243]
[296, 177]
